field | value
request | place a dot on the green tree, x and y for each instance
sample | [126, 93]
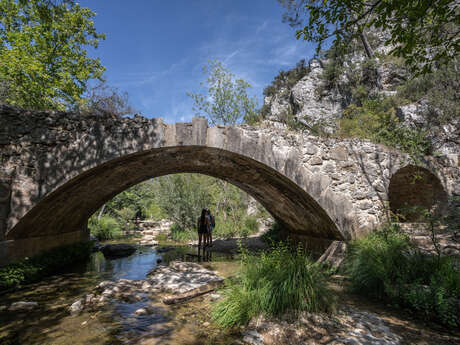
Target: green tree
[226, 100]
[43, 61]
[182, 197]
[423, 32]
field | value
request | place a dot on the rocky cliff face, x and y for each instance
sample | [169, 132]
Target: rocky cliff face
[305, 103]
[314, 102]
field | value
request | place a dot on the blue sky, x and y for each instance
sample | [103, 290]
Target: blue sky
[155, 49]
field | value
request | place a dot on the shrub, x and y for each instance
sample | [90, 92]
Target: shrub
[154, 212]
[287, 79]
[226, 229]
[375, 119]
[45, 264]
[251, 224]
[386, 265]
[182, 235]
[278, 281]
[273, 235]
[161, 237]
[106, 228]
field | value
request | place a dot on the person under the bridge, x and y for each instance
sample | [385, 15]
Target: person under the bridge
[203, 226]
[212, 225]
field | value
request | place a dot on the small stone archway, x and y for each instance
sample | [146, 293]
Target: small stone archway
[415, 187]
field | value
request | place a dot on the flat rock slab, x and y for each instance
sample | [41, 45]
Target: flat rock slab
[180, 277]
[118, 250]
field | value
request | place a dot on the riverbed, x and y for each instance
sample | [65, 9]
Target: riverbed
[115, 323]
[359, 321]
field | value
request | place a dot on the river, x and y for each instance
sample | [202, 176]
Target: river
[115, 323]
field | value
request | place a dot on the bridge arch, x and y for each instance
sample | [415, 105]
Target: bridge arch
[70, 205]
[416, 187]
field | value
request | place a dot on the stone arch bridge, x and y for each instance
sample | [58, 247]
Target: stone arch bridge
[57, 168]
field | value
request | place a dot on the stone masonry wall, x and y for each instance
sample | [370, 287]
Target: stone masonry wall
[56, 166]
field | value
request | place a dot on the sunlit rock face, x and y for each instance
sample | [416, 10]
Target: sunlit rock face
[318, 102]
[58, 168]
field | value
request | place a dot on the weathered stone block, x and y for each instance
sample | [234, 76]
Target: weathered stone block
[339, 153]
[315, 161]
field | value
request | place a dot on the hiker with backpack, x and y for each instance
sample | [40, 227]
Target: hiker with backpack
[212, 225]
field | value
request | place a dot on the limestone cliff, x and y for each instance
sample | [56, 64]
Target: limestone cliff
[331, 83]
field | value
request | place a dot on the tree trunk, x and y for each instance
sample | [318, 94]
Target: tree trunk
[367, 47]
[101, 212]
[370, 55]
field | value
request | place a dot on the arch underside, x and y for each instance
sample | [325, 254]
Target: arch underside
[69, 206]
[413, 188]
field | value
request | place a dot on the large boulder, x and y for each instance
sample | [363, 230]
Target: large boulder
[118, 250]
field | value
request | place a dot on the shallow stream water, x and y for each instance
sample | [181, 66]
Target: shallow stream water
[51, 323]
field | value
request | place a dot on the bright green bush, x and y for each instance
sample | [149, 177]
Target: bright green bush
[250, 225]
[183, 235]
[273, 283]
[386, 265]
[105, 228]
[154, 212]
[375, 119]
[38, 267]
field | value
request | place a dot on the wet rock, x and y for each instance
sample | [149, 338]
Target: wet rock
[143, 311]
[118, 250]
[89, 299]
[253, 337]
[165, 249]
[3, 308]
[104, 284]
[107, 292]
[129, 297]
[146, 286]
[76, 307]
[23, 306]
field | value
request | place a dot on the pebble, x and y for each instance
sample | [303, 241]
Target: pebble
[214, 296]
[23, 306]
[142, 311]
[76, 307]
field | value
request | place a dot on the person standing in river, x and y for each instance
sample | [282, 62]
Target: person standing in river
[203, 226]
[212, 224]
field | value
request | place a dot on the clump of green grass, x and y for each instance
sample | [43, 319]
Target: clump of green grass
[386, 265]
[278, 281]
